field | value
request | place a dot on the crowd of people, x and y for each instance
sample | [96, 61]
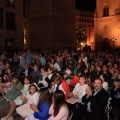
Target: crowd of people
[60, 84]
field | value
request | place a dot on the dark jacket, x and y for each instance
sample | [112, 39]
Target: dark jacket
[98, 104]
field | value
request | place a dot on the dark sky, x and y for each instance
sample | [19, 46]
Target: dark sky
[86, 4]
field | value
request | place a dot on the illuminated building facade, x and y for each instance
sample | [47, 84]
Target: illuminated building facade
[84, 28]
[107, 24]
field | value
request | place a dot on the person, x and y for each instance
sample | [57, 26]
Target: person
[58, 109]
[15, 91]
[44, 82]
[27, 70]
[36, 72]
[115, 94]
[96, 101]
[76, 95]
[18, 100]
[55, 65]
[41, 112]
[83, 60]
[29, 57]
[105, 84]
[75, 79]
[61, 84]
[32, 98]
[7, 85]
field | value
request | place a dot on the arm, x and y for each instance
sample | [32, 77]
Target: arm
[36, 98]
[62, 113]
[66, 88]
[43, 112]
[51, 109]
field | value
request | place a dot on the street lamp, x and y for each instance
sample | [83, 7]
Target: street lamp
[81, 37]
[113, 42]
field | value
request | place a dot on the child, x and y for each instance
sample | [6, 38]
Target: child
[68, 73]
[44, 82]
[32, 98]
[18, 100]
[41, 112]
[7, 85]
[13, 93]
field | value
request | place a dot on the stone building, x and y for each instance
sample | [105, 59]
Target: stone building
[107, 24]
[11, 24]
[84, 28]
[49, 24]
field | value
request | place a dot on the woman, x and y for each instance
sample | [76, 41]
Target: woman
[41, 112]
[58, 109]
[77, 94]
[61, 84]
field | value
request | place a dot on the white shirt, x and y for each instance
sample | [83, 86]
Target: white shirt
[79, 91]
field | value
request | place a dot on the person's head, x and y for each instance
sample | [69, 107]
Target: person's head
[79, 72]
[82, 55]
[105, 68]
[116, 72]
[115, 66]
[9, 70]
[57, 79]
[44, 70]
[6, 76]
[78, 65]
[98, 84]
[32, 89]
[15, 79]
[7, 65]
[59, 100]
[27, 80]
[26, 66]
[35, 67]
[82, 80]
[45, 96]
[92, 66]
[50, 70]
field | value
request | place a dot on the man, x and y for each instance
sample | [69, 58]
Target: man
[96, 101]
[115, 94]
[27, 70]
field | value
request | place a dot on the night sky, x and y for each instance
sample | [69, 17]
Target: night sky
[86, 4]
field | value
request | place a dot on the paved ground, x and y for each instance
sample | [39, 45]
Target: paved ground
[4, 108]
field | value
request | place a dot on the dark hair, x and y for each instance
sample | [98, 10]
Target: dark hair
[33, 85]
[46, 96]
[59, 100]
[57, 78]
[22, 77]
[99, 80]
[15, 76]
[35, 79]
[28, 78]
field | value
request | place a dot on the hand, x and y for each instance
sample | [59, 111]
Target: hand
[34, 107]
[70, 94]
[89, 91]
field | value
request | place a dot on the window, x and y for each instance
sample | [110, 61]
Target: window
[10, 20]
[10, 3]
[106, 11]
[1, 18]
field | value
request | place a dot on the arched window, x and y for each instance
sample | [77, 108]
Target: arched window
[106, 11]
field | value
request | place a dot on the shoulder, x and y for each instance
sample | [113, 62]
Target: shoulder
[104, 92]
